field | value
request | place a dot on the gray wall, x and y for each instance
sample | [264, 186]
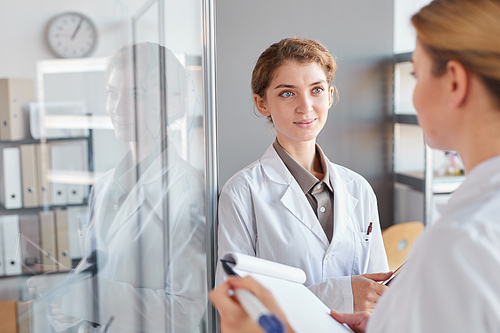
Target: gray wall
[359, 33]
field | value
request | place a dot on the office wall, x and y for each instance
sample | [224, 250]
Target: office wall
[358, 131]
[23, 24]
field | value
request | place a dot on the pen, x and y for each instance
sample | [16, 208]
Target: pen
[386, 282]
[370, 227]
[267, 320]
[368, 232]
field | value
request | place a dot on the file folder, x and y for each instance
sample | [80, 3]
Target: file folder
[10, 194]
[10, 231]
[58, 190]
[29, 174]
[15, 96]
[48, 240]
[44, 191]
[62, 236]
[30, 243]
[8, 317]
[75, 164]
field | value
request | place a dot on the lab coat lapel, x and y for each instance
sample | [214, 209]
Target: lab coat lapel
[130, 206]
[344, 202]
[293, 198]
[147, 190]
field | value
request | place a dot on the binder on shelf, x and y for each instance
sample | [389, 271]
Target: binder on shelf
[2, 256]
[30, 243]
[48, 240]
[58, 189]
[77, 217]
[44, 191]
[62, 236]
[15, 96]
[29, 174]
[10, 194]
[75, 165]
[10, 233]
[8, 317]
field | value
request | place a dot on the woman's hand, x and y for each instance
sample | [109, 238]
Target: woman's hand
[356, 321]
[366, 290]
[233, 316]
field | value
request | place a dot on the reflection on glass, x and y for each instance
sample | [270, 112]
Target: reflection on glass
[144, 251]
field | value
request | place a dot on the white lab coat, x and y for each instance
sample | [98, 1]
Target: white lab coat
[171, 293]
[263, 212]
[451, 282]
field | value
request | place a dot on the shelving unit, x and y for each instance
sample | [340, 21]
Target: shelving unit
[30, 210]
[419, 174]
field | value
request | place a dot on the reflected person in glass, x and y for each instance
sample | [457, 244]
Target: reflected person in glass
[146, 216]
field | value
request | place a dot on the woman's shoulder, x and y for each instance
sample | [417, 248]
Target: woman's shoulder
[243, 178]
[349, 177]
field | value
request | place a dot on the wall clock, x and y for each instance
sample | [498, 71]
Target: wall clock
[71, 35]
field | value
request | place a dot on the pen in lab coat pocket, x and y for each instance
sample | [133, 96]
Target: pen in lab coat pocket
[368, 232]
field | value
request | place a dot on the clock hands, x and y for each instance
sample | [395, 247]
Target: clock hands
[77, 28]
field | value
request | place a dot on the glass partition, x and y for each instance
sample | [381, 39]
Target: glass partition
[125, 239]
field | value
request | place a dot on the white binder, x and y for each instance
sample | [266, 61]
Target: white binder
[43, 162]
[10, 194]
[12, 252]
[15, 96]
[62, 236]
[29, 174]
[75, 164]
[59, 189]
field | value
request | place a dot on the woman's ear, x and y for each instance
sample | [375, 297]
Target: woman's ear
[331, 91]
[261, 105]
[458, 84]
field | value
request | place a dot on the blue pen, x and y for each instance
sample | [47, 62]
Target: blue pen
[267, 320]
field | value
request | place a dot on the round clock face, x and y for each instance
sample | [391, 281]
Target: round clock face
[71, 35]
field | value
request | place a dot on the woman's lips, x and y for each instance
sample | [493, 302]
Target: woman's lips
[305, 123]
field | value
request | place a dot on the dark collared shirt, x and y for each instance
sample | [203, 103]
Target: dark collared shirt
[319, 193]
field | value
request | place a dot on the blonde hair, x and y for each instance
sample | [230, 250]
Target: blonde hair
[467, 31]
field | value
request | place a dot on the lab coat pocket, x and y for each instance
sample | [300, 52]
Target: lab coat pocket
[362, 256]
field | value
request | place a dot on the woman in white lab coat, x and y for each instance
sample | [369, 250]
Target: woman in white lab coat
[293, 205]
[146, 216]
[451, 280]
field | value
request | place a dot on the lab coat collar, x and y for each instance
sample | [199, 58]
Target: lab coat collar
[296, 202]
[480, 182]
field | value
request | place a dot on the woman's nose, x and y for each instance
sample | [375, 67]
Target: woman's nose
[305, 104]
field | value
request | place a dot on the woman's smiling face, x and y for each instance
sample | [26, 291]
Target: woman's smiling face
[297, 99]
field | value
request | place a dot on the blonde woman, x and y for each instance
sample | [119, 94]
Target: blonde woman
[451, 281]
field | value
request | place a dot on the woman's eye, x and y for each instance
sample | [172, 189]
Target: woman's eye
[286, 94]
[318, 90]
[112, 94]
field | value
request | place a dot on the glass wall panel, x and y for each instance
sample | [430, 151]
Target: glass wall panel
[122, 229]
